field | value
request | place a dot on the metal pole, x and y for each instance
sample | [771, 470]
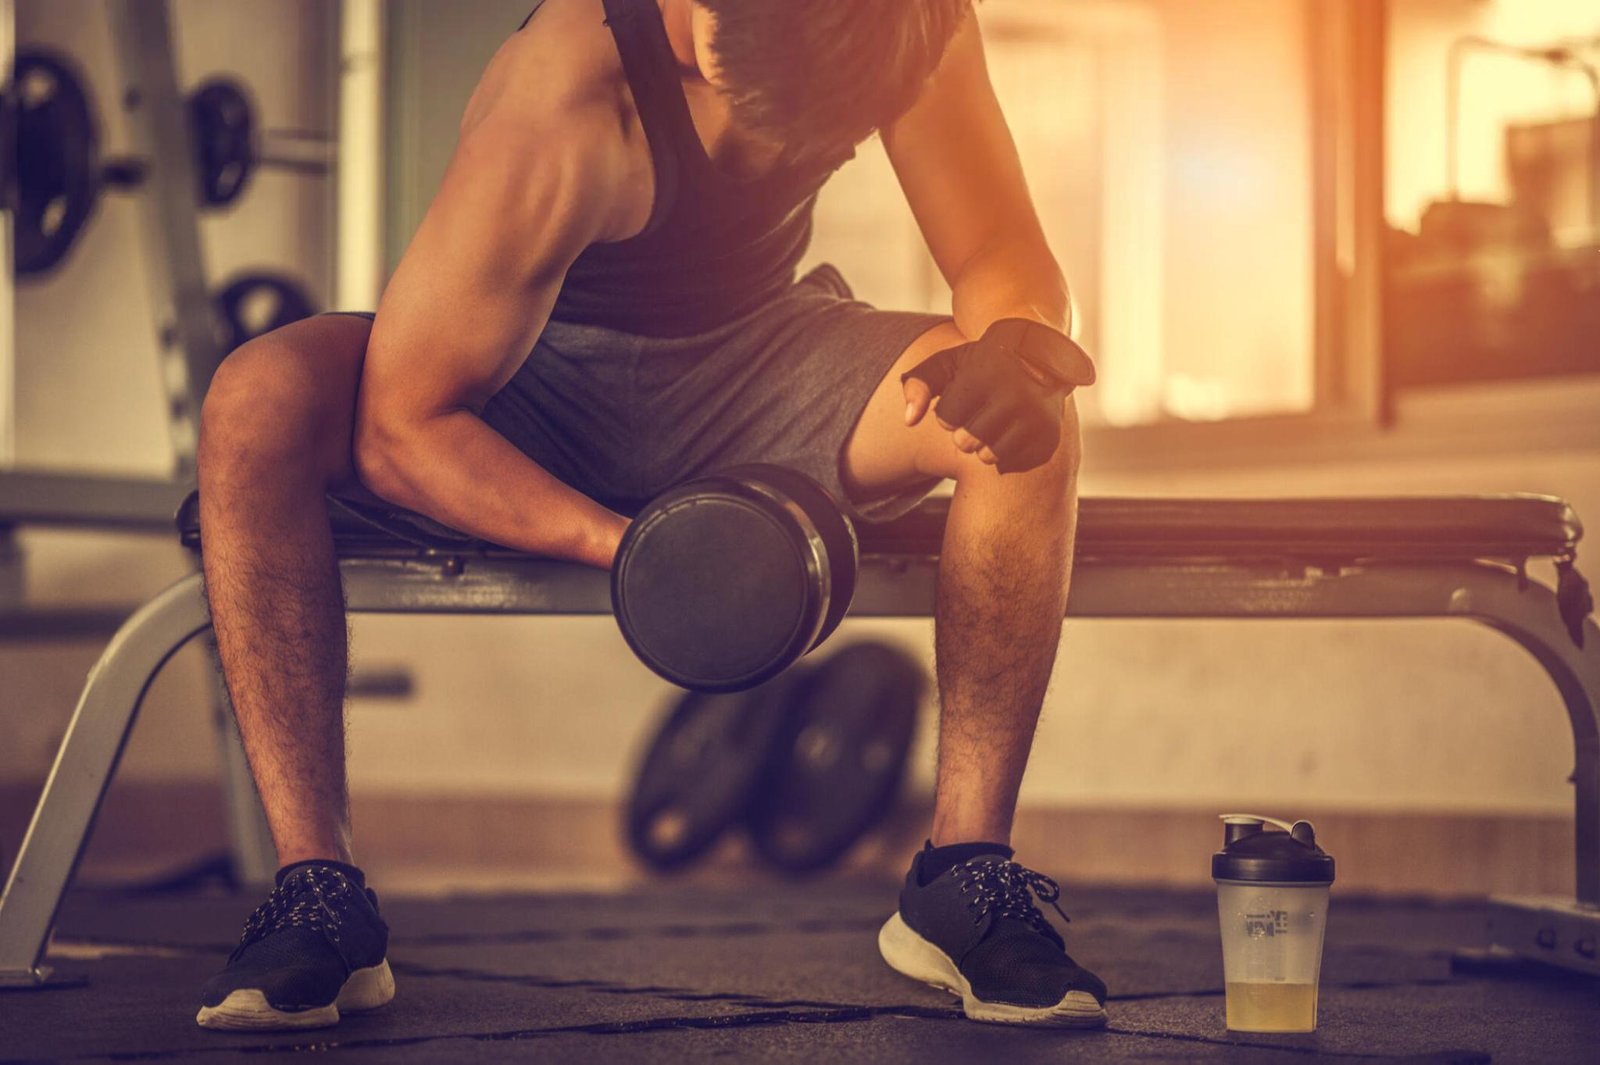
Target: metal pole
[358, 250]
[1362, 308]
[83, 770]
[8, 306]
[187, 335]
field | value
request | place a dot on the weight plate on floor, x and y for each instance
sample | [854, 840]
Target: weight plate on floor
[851, 723]
[698, 772]
[57, 160]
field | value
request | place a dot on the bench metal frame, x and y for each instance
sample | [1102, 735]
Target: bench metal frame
[1561, 930]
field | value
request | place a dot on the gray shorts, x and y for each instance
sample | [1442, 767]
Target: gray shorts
[622, 417]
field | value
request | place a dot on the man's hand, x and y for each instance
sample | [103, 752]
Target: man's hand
[1002, 396]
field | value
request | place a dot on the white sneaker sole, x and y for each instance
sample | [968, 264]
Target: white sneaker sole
[911, 955]
[247, 1009]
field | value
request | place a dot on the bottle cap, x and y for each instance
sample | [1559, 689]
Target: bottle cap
[1252, 853]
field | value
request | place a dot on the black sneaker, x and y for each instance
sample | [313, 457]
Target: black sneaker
[315, 947]
[973, 930]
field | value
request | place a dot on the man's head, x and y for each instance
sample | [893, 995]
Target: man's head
[821, 76]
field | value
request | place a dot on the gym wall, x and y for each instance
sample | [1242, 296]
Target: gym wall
[521, 734]
[88, 398]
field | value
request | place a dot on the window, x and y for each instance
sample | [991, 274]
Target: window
[1492, 267]
[1170, 150]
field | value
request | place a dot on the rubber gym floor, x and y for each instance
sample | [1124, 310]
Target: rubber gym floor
[783, 972]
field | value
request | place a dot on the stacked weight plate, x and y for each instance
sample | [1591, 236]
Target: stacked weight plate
[807, 764]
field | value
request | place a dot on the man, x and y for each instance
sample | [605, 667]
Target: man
[627, 202]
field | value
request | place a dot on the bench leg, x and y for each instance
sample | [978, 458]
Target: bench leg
[84, 765]
[1556, 930]
[1530, 617]
[255, 860]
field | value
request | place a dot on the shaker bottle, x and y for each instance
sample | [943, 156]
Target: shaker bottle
[1272, 900]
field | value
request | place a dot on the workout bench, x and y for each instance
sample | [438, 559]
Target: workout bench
[1137, 558]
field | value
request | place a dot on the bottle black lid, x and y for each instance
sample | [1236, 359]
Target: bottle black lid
[1252, 853]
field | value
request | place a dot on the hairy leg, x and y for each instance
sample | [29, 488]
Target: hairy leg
[275, 437]
[1003, 577]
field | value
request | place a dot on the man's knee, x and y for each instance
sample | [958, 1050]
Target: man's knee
[259, 407]
[1058, 474]
[235, 411]
[1069, 456]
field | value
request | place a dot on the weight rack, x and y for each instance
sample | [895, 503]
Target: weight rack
[188, 353]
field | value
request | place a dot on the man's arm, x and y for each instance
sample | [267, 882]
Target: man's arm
[534, 180]
[958, 166]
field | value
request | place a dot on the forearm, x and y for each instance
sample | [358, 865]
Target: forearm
[1010, 279]
[455, 469]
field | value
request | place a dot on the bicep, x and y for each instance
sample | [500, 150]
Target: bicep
[956, 161]
[477, 282]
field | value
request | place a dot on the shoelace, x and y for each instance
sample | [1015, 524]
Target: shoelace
[1007, 889]
[307, 898]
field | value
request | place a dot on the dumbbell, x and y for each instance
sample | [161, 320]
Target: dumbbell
[59, 172]
[724, 581]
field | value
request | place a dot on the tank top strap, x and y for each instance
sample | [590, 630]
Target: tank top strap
[654, 77]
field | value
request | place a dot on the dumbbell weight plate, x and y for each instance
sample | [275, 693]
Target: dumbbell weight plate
[52, 136]
[700, 769]
[851, 725]
[724, 581]
[828, 522]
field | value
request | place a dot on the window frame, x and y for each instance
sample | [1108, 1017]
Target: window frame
[1345, 53]
[1356, 414]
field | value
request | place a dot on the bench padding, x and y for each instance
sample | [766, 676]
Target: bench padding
[1437, 528]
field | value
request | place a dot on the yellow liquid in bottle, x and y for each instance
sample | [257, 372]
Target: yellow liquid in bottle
[1272, 1007]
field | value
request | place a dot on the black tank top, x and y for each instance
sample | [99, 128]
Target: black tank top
[715, 247]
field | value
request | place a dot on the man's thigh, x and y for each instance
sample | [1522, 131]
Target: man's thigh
[783, 384]
[882, 453]
[292, 391]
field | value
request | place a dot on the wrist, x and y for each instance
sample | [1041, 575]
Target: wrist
[601, 539]
[1049, 354]
[978, 304]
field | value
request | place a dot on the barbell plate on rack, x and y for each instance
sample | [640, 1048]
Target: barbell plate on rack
[223, 123]
[8, 146]
[254, 304]
[49, 121]
[57, 160]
